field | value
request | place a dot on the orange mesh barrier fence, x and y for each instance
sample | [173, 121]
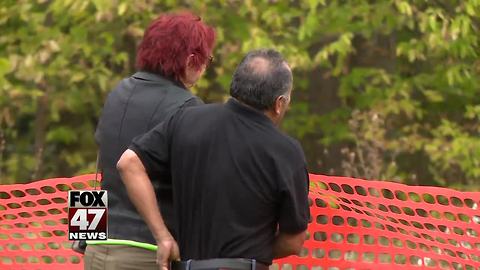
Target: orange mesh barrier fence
[33, 224]
[356, 224]
[359, 224]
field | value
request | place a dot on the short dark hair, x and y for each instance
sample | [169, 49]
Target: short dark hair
[260, 78]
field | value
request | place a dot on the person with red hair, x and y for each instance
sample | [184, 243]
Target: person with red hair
[171, 58]
[177, 46]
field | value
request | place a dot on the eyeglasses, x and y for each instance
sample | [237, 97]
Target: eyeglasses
[210, 60]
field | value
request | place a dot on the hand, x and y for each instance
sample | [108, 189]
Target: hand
[167, 251]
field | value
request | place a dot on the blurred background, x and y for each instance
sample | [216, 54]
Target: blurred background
[384, 89]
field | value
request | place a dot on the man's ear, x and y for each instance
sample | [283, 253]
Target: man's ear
[278, 104]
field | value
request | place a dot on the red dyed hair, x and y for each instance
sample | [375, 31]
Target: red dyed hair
[170, 39]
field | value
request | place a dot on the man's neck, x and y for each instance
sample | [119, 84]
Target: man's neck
[272, 117]
[268, 113]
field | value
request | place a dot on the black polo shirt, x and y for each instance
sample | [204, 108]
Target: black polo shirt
[235, 176]
[135, 106]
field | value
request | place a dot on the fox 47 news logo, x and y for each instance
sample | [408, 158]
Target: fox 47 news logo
[87, 215]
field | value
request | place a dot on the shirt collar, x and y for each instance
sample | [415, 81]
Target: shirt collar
[247, 111]
[148, 76]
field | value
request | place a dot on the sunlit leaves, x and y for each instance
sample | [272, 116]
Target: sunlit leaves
[413, 64]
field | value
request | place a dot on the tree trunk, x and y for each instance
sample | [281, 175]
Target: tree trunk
[41, 123]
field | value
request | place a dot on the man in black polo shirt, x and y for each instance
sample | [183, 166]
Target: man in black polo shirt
[240, 186]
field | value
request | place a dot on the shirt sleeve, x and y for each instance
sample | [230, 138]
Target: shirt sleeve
[153, 147]
[294, 207]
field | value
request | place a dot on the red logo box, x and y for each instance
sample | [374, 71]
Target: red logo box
[87, 215]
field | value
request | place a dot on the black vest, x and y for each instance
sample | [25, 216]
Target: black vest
[135, 106]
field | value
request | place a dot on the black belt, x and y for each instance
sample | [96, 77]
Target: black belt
[234, 264]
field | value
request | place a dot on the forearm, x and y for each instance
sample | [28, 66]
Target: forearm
[141, 193]
[285, 245]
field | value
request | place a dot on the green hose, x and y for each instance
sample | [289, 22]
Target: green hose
[124, 243]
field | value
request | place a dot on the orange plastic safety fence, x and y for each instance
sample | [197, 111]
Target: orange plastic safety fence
[356, 224]
[33, 224]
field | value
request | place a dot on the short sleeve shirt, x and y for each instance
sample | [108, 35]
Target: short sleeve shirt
[236, 180]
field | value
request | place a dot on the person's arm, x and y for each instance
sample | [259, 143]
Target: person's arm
[141, 192]
[148, 158]
[142, 195]
[288, 244]
[294, 215]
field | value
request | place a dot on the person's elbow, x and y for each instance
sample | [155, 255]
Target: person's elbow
[127, 162]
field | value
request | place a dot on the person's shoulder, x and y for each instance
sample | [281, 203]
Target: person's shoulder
[289, 146]
[200, 115]
[120, 90]
[179, 91]
[178, 98]
[211, 108]
[154, 85]
[291, 143]
[193, 101]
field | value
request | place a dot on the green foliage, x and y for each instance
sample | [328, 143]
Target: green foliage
[395, 82]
